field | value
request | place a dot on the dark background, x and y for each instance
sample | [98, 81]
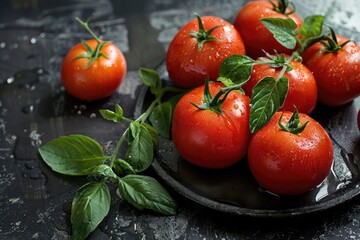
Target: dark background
[34, 109]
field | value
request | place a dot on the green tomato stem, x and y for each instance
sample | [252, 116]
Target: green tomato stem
[85, 25]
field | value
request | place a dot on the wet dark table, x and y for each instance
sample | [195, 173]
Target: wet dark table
[34, 109]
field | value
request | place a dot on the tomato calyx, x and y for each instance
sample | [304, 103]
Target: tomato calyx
[276, 61]
[214, 103]
[293, 126]
[91, 54]
[282, 6]
[203, 36]
[330, 42]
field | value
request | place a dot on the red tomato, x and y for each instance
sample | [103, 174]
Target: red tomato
[302, 85]
[97, 81]
[206, 138]
[286, 163]
[255, 35]
[337, 74]
[187, 66]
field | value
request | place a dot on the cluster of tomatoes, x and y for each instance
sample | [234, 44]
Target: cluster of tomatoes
[292, 153]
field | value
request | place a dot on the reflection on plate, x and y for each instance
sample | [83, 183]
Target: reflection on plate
[234, 190]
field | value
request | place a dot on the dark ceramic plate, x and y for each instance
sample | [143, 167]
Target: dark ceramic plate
[234, 190]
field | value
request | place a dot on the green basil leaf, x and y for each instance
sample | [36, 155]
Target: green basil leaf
[312, 26]
[116, 116]
[235, 69]
[284, 30]
[72, 155]
[160, 118]
[267, 97]
[144, 192]
[103, 169]
[153, 134]
[152, 79]
[140, 151]
[122, 168]
[89, 207]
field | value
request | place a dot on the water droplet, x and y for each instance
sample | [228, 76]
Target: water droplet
[42, 35]
[93, 115]
[2, 45]
[33, 40]
[27, 109]
[79, 112]
[10, 80]
[40, 71]
[15, 45]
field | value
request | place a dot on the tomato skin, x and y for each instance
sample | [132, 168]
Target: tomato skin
[286, 163]
[99, 80]
[302, 85]
[189, 68]
[255, 35]
[206, 138]
[337, 74]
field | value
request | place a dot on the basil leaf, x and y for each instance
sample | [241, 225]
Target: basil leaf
[116, 116]
[144, 192]
[89, 207]
[312, 26]
[235, 69]
[103, 169]
[122, 168]
[152, 79]
[284, 30]
[71, 155]
[140, 151]
[160, 118]
[268, 96]
[153, 134]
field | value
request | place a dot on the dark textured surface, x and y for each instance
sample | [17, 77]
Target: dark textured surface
[35, 202]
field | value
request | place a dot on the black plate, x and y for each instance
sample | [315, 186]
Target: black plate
[235, 191]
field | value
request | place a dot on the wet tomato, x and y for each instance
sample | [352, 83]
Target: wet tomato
[287, 163]
[302, 85]
[208, 138]
[198, 49]
[337, 73]
[255, 35]
[97, 80]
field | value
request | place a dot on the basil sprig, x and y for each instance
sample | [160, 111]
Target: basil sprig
[79, 155]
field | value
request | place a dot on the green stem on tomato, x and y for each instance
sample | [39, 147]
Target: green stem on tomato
[85, 25]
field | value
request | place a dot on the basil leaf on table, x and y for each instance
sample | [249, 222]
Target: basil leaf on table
[72, 155]
[268, 96]
[160, 118]
[116, 116]
[144, 192]
[89, 207]
[284, 30]
[121, 167]
[103, 169]
[140, 151]
[151, 78]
